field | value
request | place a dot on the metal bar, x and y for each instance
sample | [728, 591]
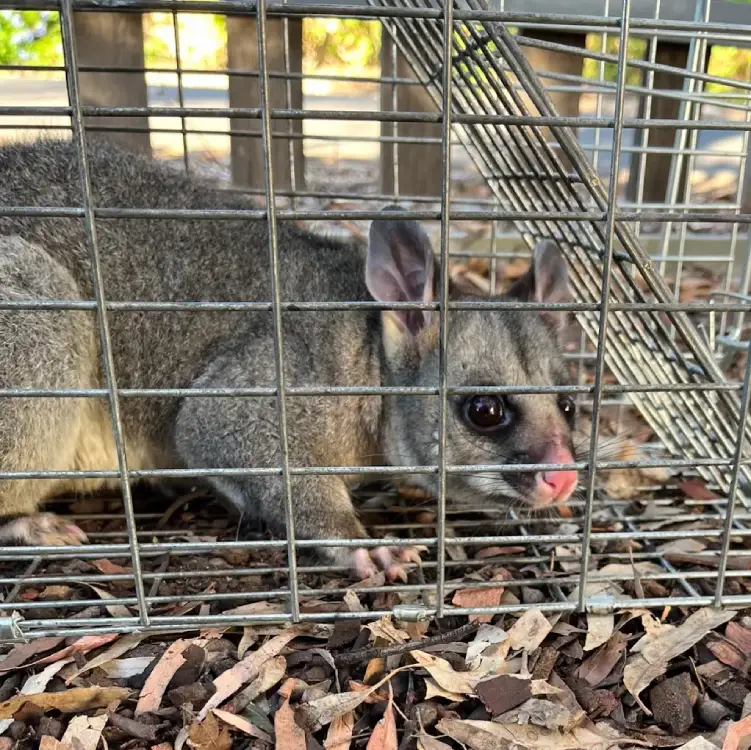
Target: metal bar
[377, 471]
[69, 50]
[249, 7]
[447, 65]
[289, 520]
[371, 116]
[734, 481]
[180, 95]
[370, 214]
[605, 303]
[355, 390]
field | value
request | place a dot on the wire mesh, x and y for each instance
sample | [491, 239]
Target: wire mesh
[638, 343]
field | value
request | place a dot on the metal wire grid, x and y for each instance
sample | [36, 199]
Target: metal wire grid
[500, 152]
[558, 210]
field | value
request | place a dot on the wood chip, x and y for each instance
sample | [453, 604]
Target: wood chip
[501, 694]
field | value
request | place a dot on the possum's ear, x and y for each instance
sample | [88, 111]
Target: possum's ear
[401, 268]
[545, 281]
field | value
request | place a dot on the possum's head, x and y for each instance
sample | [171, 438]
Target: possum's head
[485, 348]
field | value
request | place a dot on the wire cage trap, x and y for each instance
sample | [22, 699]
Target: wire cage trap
[179, 566]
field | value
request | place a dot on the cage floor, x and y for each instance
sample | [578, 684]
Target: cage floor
[654, 543]
[215, 682]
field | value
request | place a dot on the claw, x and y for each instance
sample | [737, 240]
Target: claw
[410, 554]
[397, 573]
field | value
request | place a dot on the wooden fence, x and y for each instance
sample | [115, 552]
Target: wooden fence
[115, 39]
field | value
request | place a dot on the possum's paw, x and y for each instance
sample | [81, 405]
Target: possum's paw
[43, 530]
[367, 562]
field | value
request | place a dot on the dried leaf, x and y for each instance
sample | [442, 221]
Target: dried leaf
[426, 742]
[117, 649]
[384, 628]
[66, 701]
[434, 690]
[116, 610]
[339, 736]
[122, 669]
[83, 732]
[241, 723]
[683, 545]
[323, 711]
[249, 638]
[529, 631]
[80, 646]
[599, 630]
[50, 743]
[697, 489]
[229, 682]
[739, 636]
[35, 685]
[289, 735]
[156, 683]
[38, 682]
[18, 655]
[486, 636]
[209, 734]
[479, 597]
[481, 554]
[739, 732]
[353, 602]
[727, 653]
[445, 675]
[698, 743]
[652, 660]
[487, 735]
[270, 673]
[384, 736]
[598, 666]
[109, 568]
[256, 608]
[542, 713]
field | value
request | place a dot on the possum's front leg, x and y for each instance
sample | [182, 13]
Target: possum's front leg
[243, 432]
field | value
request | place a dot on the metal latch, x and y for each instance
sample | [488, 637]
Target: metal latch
[411, 613]
[10, 629]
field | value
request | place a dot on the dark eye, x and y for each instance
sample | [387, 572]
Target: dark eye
[567, 406]
[486, 413]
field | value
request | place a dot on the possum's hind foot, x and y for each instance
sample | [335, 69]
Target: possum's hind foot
[41, 530]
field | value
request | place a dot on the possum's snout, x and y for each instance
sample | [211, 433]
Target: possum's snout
[556, 486]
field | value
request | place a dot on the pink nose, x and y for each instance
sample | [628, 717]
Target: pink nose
[555, 486]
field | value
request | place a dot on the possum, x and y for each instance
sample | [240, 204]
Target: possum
[148, 259]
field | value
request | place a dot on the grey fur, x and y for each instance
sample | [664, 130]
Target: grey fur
[228, 260]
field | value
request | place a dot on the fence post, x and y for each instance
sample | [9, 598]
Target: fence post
[566, 102]
[244, 91]
[113, 40]
[744, 190]
[657, 166]
[419, 164]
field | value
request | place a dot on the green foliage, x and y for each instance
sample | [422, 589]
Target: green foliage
[203, 40]
[636, 51]
[729, 62]
[31, 37]
[347, 42]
